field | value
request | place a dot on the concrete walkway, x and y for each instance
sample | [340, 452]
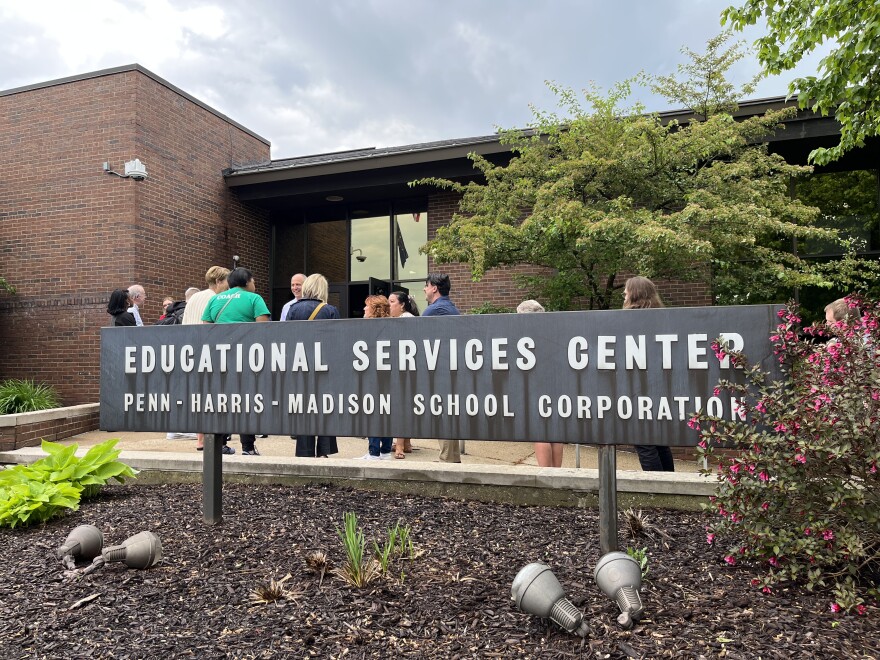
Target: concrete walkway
[495, 471]
[424, 451]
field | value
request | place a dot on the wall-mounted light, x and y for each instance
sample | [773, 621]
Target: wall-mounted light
[235, 260]
[334, 198]
[134, 169]
[361, 257]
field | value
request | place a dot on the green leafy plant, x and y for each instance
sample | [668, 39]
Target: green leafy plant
[385, 553]
[54, 484]
[22, 395]
[358, 570]
[641, 556]
[490, 308]
[6, 286]
[798, 484]
[403, 534]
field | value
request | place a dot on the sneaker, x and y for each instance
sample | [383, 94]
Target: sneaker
[227, 450]
[370, 457]
[387, 456]
[250, 452]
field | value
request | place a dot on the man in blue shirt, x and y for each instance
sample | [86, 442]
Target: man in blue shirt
[437, 288]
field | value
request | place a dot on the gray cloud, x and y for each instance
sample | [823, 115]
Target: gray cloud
[323, 76]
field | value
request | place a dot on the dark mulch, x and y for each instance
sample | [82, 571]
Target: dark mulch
[453, 601]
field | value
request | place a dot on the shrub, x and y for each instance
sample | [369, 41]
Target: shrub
[20, 396]
[801, 493]
[50, 486]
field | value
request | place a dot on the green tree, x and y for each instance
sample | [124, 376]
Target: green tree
[848, 84]
[605, 190]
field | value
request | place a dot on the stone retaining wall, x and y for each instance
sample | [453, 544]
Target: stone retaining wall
[29, 429]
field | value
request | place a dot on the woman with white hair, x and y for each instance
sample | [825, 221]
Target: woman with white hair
[549, 454]
[313, 306]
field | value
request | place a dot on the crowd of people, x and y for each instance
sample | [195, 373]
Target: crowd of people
[230, 297]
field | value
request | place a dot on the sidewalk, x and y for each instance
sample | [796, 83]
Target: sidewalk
[424, 451]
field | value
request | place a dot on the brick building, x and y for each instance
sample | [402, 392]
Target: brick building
[70, 232]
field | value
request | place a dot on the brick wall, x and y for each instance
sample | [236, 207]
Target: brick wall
[70, 233]
[30, 429]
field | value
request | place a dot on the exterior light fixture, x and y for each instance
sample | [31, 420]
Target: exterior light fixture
[84, 542]
[619, 576]
[142, 550]
[334, 198]
[134, 169]
[361, 257]
[536, 591]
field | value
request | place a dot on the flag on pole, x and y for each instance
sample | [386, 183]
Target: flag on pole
[401, 248]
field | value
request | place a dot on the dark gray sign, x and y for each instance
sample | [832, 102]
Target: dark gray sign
[603, 377]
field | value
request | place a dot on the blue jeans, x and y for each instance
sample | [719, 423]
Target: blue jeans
[379, 445]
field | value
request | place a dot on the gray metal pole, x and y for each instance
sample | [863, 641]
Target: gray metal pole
[607, 498]
[577, 455]
[212, 479]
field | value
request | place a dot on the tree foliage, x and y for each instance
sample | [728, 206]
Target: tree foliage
[848, 84]
[607, 190]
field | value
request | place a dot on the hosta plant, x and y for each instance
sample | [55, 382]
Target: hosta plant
[48, 487]
[799, 489]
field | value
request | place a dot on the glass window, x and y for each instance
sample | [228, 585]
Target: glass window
[370, 247]
[849, 202]
[411, 233]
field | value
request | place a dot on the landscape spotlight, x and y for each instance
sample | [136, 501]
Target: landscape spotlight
[537, 591]
[84, 541]
[619, 576]
[142, 550]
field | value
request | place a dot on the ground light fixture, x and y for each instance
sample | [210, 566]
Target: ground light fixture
[142, 550]
[83, 542]
[536, 591]
[619, 576]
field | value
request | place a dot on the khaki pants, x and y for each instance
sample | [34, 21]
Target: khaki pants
[449, 451]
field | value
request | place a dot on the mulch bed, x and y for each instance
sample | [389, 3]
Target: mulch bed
[451, 601]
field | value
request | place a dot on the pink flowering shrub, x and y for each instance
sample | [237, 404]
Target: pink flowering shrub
[801, 492]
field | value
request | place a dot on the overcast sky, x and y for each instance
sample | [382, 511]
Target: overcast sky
[327, 75]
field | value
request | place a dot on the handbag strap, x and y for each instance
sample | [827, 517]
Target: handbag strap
[221, 309]
[316, 310]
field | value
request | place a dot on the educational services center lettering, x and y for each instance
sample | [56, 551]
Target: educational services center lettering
[600, 377]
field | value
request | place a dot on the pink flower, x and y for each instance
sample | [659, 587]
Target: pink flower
[861, 609]
[760, 407]
[765, 505]
[873, 469]
[808, 531]
[800, 458]
[730, 559]
[828, 535]
[767, 590]
[734, 467]
[780, 428]
[773, 561]
[694, 422]
[763, 476]
[835, 608]
[716, 391]
[710, 538]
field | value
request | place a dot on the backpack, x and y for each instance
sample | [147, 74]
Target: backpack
[176, 315]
